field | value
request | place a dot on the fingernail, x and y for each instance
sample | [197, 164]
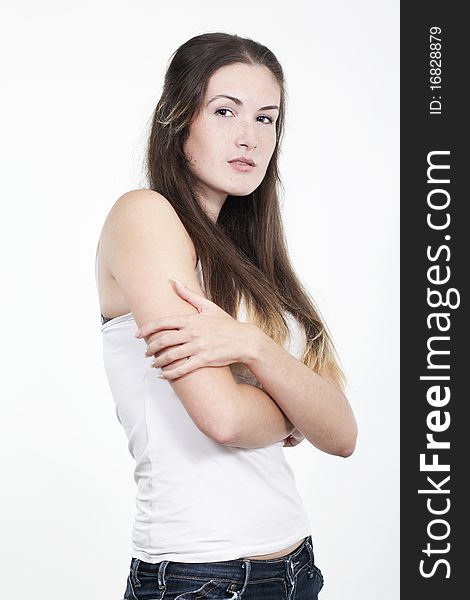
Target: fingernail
[137, 334]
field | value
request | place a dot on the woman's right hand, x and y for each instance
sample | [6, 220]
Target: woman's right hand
[209, 338]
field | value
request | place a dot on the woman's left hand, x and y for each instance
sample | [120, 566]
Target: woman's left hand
[210, 337]
[293, 439]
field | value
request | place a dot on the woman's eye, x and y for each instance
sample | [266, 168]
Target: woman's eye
[269, 119]
[219, 109]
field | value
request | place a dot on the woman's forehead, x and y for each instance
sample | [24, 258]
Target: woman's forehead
[245, 83]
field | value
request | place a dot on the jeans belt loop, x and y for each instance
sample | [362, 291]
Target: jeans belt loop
[312, 558]
[247, 566]
[134, 578]
[289, 566]
[161, 574]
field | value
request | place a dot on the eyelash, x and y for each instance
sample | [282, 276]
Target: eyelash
[265, 116]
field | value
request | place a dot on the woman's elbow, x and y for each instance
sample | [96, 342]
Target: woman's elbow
[349, 444]
[346, 451]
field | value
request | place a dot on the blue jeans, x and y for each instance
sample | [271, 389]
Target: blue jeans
[291, 577]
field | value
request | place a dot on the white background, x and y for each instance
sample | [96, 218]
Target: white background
[80, 83]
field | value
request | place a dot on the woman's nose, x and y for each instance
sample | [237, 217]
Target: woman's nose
[247, 136]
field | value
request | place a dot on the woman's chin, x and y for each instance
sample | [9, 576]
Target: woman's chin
[240, 190]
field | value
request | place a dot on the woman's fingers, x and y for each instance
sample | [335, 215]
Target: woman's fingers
[190, 364]
[165, 339]
[170, 356]
[293, 440]
[169, 322]
[200, 302]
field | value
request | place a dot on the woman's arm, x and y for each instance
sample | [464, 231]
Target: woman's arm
[313, 405]
[213, 339]
[144, 244]
[256, 418]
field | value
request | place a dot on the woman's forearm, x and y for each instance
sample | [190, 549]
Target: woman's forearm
[314, 406]
[258, 420]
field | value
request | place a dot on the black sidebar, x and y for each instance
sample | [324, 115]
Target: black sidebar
[435, 269]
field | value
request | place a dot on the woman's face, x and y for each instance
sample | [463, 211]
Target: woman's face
[229, 128]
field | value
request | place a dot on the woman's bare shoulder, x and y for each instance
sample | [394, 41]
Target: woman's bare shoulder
[140, 201]
[142, 208]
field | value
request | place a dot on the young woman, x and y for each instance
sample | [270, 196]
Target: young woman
[197, 267]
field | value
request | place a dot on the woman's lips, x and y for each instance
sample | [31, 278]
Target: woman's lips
[239, 166]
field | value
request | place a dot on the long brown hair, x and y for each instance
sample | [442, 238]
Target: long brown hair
[244, 254]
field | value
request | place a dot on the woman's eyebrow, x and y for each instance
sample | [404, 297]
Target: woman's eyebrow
[239, 102]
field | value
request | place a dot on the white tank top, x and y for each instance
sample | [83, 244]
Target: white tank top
[197, 500]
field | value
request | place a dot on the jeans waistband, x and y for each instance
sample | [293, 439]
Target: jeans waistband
[236, 569]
